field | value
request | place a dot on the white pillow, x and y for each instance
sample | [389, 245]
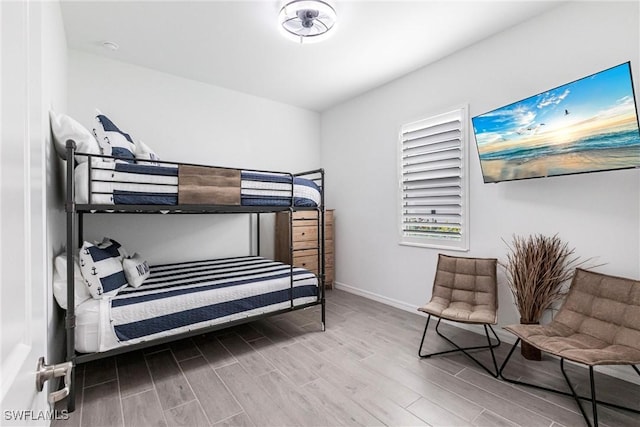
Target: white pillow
[102, 270]
[113, 141]
[143, 152]
[136, 269]
[81, 293]
[63, 128]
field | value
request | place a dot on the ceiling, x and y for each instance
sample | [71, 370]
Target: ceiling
[237, 45]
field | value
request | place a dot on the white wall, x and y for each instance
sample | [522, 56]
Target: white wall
[598, 214]
[184, 120]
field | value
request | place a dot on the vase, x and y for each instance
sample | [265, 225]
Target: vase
[528, 351]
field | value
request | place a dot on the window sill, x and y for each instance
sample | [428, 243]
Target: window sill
[434, 246]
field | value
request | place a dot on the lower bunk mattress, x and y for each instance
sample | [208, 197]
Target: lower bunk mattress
[111, 183]
[186, 296]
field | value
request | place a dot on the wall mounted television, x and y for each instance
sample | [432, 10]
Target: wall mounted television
[588, 125]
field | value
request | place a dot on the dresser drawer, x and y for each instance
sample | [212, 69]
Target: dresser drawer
[301, 234]
[309, 262]
[299, 215]
[305, 237]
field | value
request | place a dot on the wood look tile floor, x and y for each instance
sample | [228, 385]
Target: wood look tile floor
[364, 370]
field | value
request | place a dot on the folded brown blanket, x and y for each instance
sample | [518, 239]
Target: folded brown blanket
[208, 186]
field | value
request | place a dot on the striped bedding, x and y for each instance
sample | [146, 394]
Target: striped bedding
[138, 184]
[186, 296]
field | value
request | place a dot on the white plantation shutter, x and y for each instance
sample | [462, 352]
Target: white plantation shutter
[433, 182]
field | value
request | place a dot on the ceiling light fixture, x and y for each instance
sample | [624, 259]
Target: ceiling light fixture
[307, 21]
[109, 45]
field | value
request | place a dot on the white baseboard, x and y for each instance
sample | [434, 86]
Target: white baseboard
[613, 371]
[370, 295]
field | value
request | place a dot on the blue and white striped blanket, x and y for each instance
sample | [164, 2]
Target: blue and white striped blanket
[139, 184]
[186, 296]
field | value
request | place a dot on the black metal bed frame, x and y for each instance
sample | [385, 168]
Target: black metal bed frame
[74, 236]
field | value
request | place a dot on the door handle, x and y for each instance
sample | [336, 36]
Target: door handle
[45, 372]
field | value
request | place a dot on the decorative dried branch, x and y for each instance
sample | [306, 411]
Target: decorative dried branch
[536, 269]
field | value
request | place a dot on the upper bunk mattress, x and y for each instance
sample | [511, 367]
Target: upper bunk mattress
[115, 183]
[186, 296]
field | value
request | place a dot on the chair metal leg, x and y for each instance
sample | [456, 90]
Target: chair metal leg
[594, 401]
[493, 356]
[464, 350]
[573, 394]
[424, 334]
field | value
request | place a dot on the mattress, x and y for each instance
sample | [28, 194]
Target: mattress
[187, 296]
[138, 184]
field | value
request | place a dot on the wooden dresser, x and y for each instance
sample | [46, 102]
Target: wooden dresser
[305, 241]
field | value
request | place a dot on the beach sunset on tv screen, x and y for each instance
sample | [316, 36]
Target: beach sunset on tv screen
[588, 125]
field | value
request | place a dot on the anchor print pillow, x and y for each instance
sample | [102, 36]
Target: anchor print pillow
[113, 141]
[101, 267]
[113, 247]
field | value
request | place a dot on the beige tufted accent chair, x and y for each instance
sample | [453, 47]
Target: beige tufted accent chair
[598, 324]
[464, 290]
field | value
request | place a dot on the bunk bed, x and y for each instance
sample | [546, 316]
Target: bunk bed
[211, 294]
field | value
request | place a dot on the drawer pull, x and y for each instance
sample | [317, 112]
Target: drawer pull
[303, 233]
[304, 264]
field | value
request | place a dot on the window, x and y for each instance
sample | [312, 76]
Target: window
[434, 182]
